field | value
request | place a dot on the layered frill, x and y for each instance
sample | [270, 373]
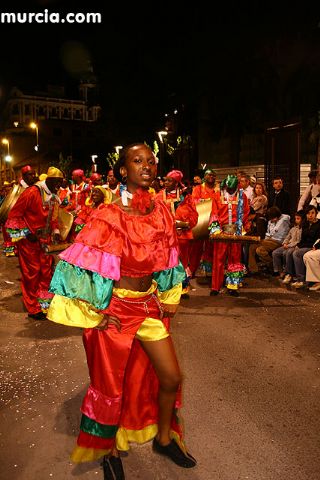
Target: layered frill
[17, 229]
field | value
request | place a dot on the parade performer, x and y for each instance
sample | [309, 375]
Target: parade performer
[201, 250]
[183, 208]
[99, 197]
[28, 178]
[79, 191]
[32, 222]
[121, 281]
[113, 184]
[230, 211]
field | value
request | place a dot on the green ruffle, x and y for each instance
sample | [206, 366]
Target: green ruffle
[74, 282]
[169, 278]
[98, 429]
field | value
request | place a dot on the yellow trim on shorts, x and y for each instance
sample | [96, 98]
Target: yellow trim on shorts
[152, 330]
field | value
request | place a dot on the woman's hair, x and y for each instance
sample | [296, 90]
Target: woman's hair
[263, 188]
[122, 159]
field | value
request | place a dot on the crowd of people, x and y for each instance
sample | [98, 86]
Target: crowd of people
[133, 248]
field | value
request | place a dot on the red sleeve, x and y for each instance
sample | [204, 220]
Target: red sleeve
[16, 217]
[187, 212]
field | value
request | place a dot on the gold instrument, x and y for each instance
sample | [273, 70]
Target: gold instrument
[65, 221]
[10, 201]
[200, 231]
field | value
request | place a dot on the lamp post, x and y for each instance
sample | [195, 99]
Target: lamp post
[8, 157]
[34, 126]
[161, 134]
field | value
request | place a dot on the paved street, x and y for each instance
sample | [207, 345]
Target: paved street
[251, 391]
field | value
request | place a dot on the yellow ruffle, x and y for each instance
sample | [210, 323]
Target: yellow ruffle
[81, 454]
[171, 296]
[124, 436]
[123, 439]
[124, 293]
[73, 312]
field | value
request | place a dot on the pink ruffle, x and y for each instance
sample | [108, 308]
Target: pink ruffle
[101, 408]
[235, 267]
[89, 258]
[173, 258]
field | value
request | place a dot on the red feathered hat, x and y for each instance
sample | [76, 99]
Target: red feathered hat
[26, 169]
[176, 174]
[78, 173]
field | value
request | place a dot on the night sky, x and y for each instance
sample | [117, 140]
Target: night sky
[151, 60]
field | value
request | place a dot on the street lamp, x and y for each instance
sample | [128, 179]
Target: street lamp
[34, 126]
[118, 148]
[8, 157]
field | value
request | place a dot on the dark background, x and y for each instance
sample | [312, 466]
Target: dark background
[240, 65]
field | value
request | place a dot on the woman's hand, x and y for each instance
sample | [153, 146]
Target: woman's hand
[109, 320]
[169, 310]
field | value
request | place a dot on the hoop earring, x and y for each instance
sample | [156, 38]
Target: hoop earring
[124, 179]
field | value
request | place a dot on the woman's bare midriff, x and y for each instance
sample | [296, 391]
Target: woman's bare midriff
[137, 284]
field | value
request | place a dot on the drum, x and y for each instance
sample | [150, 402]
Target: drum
[9, 202]
[65, 221]
[200, 231]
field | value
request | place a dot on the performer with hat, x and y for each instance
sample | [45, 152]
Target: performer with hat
[201, 250]
[32, 222]
[230, 211]
[99, 198]
[183, 209]
[79, 191]
[28, 178]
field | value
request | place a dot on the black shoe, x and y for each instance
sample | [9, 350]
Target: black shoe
[174, 452]
[186, 296]
[37, 316]
[213, 293]
[233, 293]
[112, 468]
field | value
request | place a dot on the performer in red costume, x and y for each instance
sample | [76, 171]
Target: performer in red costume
[79, 191]
[230, 208]
[99, 197]
[184, 211]
[201, 250]
[121, 281]
[28, 178]
[32, 222]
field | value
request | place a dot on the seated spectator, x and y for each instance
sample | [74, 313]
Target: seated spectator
[259, 203]
[310, 233]
[277, 229]
[279, 197]
[311, 260]
[245, 185]
[280, 255]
